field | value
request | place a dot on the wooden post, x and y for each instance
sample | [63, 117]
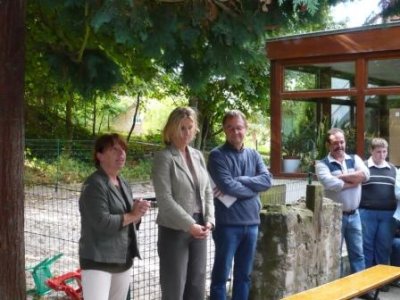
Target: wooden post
[314, 198]
[12, 252]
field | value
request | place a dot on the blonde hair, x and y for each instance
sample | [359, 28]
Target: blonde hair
[171, 129]
[379, 143]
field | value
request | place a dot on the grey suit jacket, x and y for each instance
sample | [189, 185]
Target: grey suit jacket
[103, 238]
[175, 189]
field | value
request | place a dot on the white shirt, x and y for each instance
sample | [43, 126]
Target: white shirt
[350, 197]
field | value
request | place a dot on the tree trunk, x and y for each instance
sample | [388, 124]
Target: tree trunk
[204, 132]
[69, 106]
[134, 116]
[194, 103]
[100, 123]
[94, 113]
[12, 252]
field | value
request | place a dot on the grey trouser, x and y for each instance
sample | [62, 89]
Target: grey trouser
[182, 265]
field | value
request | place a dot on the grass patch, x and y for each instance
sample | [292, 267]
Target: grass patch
[70, 170]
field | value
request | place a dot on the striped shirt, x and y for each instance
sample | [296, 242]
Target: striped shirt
[378, 193]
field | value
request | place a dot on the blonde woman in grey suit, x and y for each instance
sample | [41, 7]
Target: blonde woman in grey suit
[185, 209]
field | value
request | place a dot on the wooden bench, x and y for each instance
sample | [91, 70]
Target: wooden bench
[351, 286]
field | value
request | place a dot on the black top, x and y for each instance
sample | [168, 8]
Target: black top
[378, 191]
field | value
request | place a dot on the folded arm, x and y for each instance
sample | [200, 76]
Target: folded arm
[222, 176]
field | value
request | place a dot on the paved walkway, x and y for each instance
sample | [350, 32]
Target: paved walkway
[393, 294]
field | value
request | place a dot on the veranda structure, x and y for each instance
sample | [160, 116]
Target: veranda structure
[348, 79]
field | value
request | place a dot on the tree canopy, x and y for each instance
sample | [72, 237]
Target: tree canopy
[211, 51]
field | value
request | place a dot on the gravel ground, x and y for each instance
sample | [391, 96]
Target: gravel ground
[392, 294]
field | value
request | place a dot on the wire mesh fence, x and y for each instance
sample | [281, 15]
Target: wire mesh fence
[60, 161]
[52, 226]
[51, 150]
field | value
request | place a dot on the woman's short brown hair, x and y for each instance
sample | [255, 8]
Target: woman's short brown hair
[106, 141]
[171, 128]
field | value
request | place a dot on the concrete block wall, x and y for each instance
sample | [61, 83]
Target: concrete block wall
[298, 247]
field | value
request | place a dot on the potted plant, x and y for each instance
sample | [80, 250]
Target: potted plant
[292, 151]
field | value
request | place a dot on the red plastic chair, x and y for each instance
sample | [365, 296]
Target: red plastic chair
[69, 283]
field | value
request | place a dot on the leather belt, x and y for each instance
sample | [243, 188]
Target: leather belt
[349, 213]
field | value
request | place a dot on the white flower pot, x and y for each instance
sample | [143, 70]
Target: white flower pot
[291, 165]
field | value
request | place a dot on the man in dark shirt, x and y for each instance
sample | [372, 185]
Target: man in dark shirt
[240, 173]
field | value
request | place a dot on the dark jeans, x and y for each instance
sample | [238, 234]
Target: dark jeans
[395, 258]
[378, 230]
[352, 235]
[236, 243]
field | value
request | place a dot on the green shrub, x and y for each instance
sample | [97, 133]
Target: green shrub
[137, 170]
[65, 169]
[56, 161]
[72, 170]
[68, 170]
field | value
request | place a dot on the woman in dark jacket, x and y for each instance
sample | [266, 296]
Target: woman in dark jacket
[108, 243]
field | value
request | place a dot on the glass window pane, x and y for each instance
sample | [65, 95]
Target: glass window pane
[305, 123]
[299, 131]
[339, 75]
[343, 115]
[382, 119]
[383, 72]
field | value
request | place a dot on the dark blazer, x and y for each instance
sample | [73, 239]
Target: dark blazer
[103, 238]
[175, 189]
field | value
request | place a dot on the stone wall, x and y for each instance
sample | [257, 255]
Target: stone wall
[298, 247]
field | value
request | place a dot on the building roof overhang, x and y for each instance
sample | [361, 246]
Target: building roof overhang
[366, 39]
